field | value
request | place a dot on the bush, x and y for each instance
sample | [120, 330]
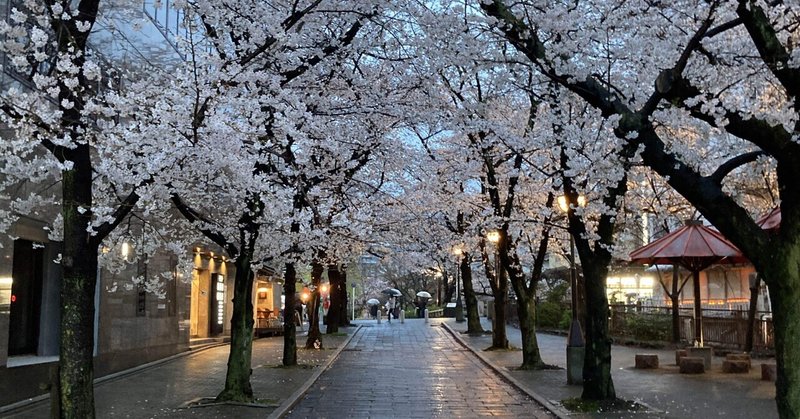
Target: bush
[550, 314]
[649, 327]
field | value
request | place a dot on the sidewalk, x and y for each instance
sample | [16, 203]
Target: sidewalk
[163, 390]
[673, 395]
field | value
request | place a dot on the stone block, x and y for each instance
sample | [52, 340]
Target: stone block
[646, 361]
[730, 366]
[705, 352]
[739, 357]
[692, 365]
[769, 372]
[680, 353]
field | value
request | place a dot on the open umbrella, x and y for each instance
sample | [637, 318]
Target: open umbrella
[373, 301]
[392, 291]
[424, 294]
[695, 247]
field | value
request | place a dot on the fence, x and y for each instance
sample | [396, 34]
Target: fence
[723, 328]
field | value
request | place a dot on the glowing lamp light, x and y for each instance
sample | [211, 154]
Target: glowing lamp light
[13, 298]
[262, 289]
[562, 202]
[304, 296]
[493, 236]
[324, 288]
[126, 250]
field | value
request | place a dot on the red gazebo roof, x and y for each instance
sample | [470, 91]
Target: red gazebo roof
[772, 220]
[693, 246]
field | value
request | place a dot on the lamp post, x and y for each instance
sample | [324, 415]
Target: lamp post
[353, 302]
[494, 237]
[576, 347]
[459, 306]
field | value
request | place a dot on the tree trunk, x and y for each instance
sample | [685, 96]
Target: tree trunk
[698, 310]
[344, 313]
[786, 325]
[473, 319]
[676, 309]
[314, 339]
[526, 311]
[597, 382]
[79, 262]
[289, 328]
[499, 336]
[335, 309]
[237, 379]
[449, 288]
[751, 314]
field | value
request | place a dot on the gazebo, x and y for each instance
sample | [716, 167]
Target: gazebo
[695, 247]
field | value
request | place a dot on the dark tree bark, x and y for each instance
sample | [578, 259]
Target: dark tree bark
[289, 328]
[473, 319]
[335, 309]
[676, 308]
[344, 313]
[449, 287]
[751, 314]
[237, 378]
[597, 382]
[79, 262]
[314, 333]
[499, 284]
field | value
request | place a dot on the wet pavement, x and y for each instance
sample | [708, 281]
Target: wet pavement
[669, 393]
[412, 370]
[163, 390]
[418, 370]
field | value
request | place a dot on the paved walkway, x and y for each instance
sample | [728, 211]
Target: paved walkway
[418, 370]
[412, 370]
[161, 391]
[675, 395]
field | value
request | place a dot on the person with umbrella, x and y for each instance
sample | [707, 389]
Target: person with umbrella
[422, 302]
[373, 307]
[390, 305]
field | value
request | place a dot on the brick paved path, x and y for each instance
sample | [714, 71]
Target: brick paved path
[411, 370]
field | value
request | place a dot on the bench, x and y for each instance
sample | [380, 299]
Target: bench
[692, 365]
[646, 361]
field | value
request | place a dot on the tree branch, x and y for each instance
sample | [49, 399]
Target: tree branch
[735, 162]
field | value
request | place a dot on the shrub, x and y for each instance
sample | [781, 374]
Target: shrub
[549, 314]
[649, 326]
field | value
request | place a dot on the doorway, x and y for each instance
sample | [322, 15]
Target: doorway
[26, 298]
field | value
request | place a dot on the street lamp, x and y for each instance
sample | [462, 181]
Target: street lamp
[494, 237]
[459, 305]
[576, 347]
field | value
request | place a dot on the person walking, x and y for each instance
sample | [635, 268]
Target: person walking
[390, 305]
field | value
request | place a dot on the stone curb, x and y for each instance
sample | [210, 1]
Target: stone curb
[289, 403]
[559, 413]
[22, 404]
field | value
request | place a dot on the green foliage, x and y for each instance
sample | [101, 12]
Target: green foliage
[648, 327]
[566, 319]
[549, 314]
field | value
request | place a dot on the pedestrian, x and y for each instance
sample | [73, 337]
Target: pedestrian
[422, 303]
[390, 305]
[373, 311]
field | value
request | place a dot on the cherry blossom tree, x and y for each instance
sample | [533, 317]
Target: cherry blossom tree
[730, 64]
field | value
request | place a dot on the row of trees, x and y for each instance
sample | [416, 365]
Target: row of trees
[299, 133]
